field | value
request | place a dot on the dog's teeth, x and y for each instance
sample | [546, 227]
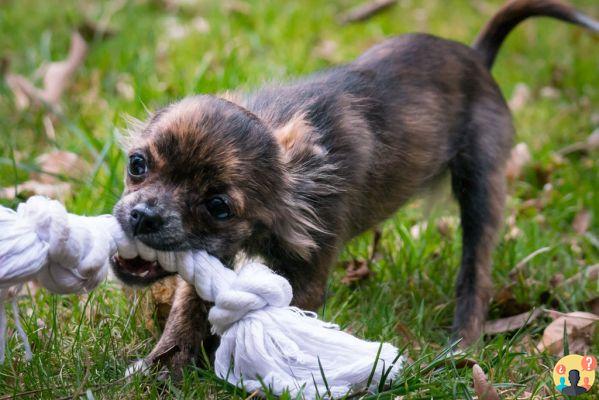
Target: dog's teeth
[143, 274]
[145, 252]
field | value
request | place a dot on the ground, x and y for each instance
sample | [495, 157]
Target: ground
[164, 50]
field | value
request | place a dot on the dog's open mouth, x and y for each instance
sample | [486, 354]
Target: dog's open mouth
[137, 271]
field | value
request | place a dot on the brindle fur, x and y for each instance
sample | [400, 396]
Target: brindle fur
[310, 164]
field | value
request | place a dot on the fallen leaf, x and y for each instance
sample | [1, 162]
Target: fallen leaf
[417, 229]
[200, 25]
[588, 274]
[519, 158]
[16, 83]
[59, 191]
[49, 127]
[593, 305]
[327, 50]
[176, 29]
[447, 225]
[520, 97]
[366, 10]
[513, 232]
[356, 270]
[579, 330]
[586, 146]
[124, 87]
[582, 221]
[556, 280]
[53, 166]
[58, 163]
[513, 323]
[237, 7]
[506, 305]
[91, 30]
[59, 74]
[484, 390]
[549, 92]
[56, 77]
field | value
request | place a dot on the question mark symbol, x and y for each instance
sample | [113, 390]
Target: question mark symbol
[561, 369]
[589, 363]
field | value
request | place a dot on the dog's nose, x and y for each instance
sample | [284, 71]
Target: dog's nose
[144, 219]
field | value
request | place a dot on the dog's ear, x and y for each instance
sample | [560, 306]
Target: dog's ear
[307, 175]
[297, 140]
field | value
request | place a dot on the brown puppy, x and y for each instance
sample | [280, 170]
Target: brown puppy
[289, 173]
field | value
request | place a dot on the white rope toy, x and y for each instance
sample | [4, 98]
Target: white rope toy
[263, 339]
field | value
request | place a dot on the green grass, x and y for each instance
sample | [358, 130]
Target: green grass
[82, 344]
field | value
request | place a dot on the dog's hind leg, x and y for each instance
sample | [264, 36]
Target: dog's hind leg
[478, 183]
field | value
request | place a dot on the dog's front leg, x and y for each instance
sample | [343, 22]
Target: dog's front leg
[186, 331]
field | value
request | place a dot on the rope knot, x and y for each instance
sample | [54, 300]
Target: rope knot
[255, 287]
[65, 252]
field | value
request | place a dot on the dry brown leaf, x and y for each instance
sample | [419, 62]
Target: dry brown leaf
[506, 303]
[356, 270]
[200, 25]
[586, 146]
[56, 77]
[519, 158]
[593, 305]
[508, 324]
[17, 83]
[447, 225]
[59, 191]
[588, 274]
[366, 10]
[59, 162]
[417, 229]
[237, 7]
[484, 390]
[582, 221]
[556, 280]
[47, 182]
[176, 29]
[520, 97]
[327, 50]
[513, 232]
[124, 87]
[579, 329]
[91, 30]
[549, 92]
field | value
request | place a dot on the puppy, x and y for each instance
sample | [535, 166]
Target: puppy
[289, 173]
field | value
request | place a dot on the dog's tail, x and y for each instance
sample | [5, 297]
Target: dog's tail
[515, 11]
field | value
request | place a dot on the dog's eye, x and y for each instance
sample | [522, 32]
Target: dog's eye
[218, 208]
[137, 165]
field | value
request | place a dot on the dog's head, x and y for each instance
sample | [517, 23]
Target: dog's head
[204, 173]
